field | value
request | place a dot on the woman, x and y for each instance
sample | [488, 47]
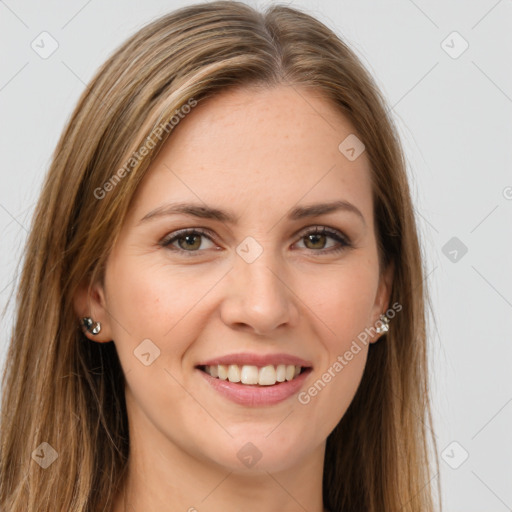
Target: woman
[222, 303]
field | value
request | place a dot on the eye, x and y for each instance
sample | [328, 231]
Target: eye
[190, 240]
[317, 237]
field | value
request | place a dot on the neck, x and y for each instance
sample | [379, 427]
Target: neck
[169, 487]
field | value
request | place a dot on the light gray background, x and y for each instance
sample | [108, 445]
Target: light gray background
[454, 116]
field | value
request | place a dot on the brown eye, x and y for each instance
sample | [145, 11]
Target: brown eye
[190, 241]
[317, 239]
[187, 240]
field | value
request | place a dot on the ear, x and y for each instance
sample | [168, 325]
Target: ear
[382, 297]
[90, 301]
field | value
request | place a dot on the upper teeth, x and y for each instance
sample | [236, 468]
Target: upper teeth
[248, 374]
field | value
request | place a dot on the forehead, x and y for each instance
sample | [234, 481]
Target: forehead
[261, 151]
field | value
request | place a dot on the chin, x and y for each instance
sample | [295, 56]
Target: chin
[257, 454]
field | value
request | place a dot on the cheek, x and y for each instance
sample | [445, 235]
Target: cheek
[159, 302]
[341, 304]
[139, 302]
[343, 301]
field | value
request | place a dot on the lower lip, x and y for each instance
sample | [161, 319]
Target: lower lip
[254, 395]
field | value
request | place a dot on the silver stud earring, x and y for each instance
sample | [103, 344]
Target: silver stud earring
[90, 326]
[385, 325]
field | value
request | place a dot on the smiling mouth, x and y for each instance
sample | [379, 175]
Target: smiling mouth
[252, 375]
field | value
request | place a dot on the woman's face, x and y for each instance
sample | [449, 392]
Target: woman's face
[255, 281]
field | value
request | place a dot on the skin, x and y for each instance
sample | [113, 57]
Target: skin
[271, 149]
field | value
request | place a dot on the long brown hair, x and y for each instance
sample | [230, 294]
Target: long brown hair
[60, 389]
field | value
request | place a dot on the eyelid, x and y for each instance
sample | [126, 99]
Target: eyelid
[333, 233]
[343, 241]
[168, 239]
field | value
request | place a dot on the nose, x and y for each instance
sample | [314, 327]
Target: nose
[258, 298]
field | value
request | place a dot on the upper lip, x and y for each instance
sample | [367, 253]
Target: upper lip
[256, 360]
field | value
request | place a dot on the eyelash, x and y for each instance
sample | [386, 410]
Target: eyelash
[317, 230]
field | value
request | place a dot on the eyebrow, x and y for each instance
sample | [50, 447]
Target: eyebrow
[227, 216]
